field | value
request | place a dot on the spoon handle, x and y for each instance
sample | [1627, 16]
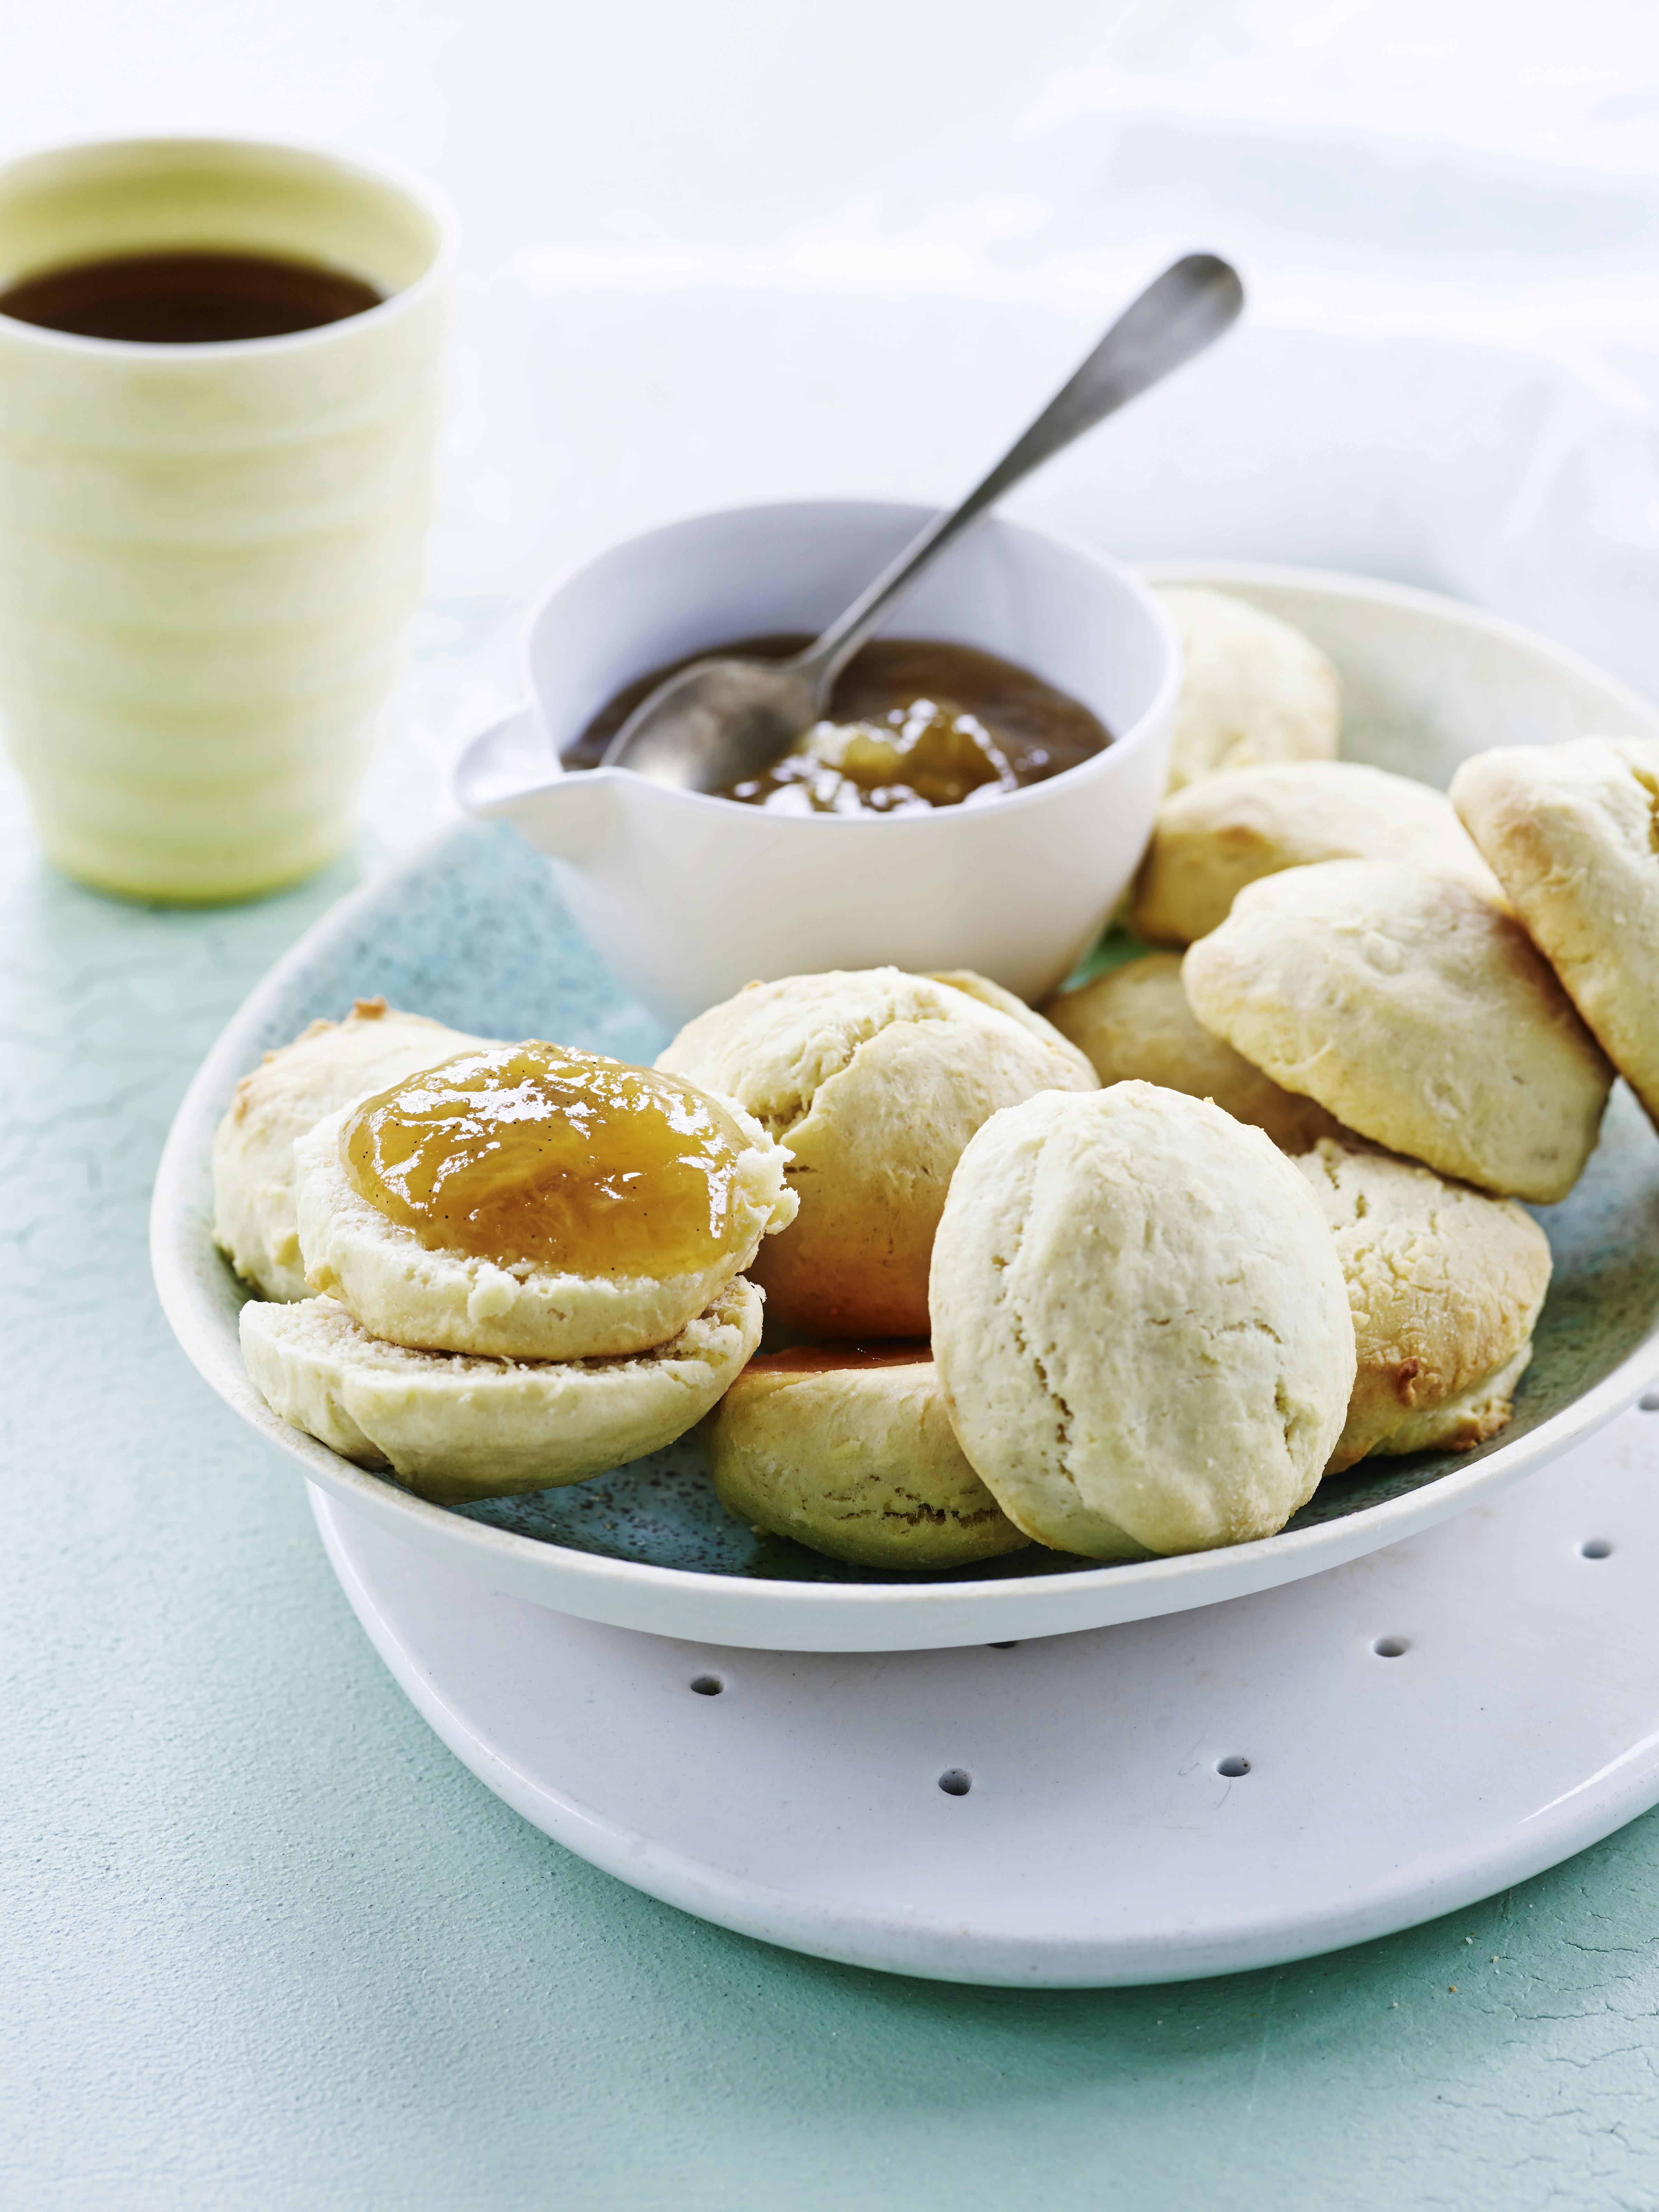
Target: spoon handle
[1179, 314]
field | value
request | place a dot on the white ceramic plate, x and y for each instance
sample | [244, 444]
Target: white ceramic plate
[472, 932]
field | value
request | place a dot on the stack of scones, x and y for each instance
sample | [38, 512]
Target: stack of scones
[1126, 1277]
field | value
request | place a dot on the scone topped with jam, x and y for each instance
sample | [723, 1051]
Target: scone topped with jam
[324, 1067]
[535, 1202]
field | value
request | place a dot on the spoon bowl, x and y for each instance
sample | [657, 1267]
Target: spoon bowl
[688, 896]
[716, 723]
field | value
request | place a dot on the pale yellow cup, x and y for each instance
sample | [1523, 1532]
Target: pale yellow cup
[208, 553]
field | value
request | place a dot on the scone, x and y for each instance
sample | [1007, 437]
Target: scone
[1255, 688]
[875, 1081]
[1572, 832]
[992, 994]
[253, 1216]
[1416, 1012]
[1214, 837]
[855, 1457]
[1140, 1323]
[1135, 1024]
[436, 1285]
[1445, 1287]
[454, 1428]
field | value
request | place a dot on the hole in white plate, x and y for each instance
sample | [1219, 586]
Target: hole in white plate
[1233, 1767]
[956, 1782]
[1390, 1647]
[1596, 1547]
[1014, 1646]
[1651, 1403]
[707, 1685]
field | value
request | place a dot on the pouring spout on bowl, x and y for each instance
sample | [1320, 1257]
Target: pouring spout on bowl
[503, 774]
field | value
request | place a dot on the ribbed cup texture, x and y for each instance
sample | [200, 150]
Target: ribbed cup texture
[208, 554]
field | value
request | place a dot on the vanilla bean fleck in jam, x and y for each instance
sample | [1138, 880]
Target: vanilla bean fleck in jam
[534, 1153]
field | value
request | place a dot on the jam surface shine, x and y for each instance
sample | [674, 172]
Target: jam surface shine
[537, 1154]
[914, 723]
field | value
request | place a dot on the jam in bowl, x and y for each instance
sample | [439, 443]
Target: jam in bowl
[687, 896]
[912, 723]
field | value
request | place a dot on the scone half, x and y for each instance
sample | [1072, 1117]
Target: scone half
[330, 1063]
[453, 1428]
[450, 1301]
[858, 1461]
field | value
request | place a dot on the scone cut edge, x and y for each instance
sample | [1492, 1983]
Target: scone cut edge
[449, 1301]
[454, 1428]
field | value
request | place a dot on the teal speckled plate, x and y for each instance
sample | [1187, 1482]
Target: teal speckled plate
[473, 933]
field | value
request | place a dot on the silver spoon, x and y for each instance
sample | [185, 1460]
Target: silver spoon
[720, 722]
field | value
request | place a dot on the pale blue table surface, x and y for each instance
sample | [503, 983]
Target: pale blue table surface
[265, 1943]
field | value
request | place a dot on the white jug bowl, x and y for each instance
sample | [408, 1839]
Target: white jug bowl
[686, 897]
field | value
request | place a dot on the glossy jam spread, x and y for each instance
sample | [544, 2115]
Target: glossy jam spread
[536, 1153]
[914, 723]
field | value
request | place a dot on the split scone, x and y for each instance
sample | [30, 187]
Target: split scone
[533, 1202]
[453, 1428]
[326, 1065]
[1255, 688]
[850, 1451]
[875, 1081]
[1572, 832]
[1135, 1024]
[1214, 837]
[1140, 1323]
[1416, 1012]
[1445, 1286]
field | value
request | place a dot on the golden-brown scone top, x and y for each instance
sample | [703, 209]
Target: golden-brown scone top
[1572, 832]
[254, 1221]
[1134, 1025]
[857, 1460]
[1255, 688]
[1444, 1284]
[1212, 838]
[1416, 1012]
[875, 1081]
